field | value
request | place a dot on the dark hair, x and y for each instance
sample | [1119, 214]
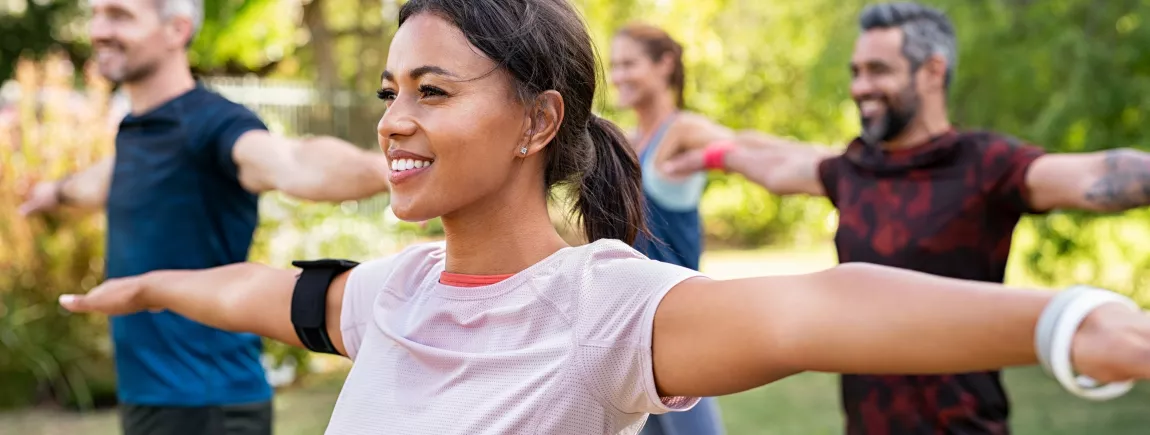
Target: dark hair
[926, 32]
[658, 43]
[544, 45]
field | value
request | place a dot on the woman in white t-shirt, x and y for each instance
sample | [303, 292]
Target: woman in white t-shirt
[505, 329]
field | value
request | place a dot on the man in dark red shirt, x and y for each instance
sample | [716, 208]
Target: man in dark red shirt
[913, 192]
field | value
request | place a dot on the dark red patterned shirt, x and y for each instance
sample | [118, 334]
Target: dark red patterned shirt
[947, 208]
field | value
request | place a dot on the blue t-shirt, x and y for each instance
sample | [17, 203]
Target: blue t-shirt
[176, 203]
[677, 231]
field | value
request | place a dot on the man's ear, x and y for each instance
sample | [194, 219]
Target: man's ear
[934, 71]
[178, 32]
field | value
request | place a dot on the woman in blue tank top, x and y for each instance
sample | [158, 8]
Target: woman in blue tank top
[647, 71]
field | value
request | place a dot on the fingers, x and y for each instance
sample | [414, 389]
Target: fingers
[113, 297]
[30, 207]
[37, 200]
[74, 303]
[94, 303]
[1125, 346]
[1131, 335]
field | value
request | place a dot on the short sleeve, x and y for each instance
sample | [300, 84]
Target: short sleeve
[829, 176]
[1005, 162]
[615, 323]
[236, 121]
[363, 285]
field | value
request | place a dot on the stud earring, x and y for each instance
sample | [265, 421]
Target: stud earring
[523, 151]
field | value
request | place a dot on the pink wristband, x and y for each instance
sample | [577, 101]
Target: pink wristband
[714, 153]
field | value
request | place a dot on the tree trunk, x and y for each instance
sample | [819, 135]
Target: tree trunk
[322, 45]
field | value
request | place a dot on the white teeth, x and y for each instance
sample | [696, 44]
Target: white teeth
[408, 164]
[870, 106]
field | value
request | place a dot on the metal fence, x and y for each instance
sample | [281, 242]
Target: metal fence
[298, 108]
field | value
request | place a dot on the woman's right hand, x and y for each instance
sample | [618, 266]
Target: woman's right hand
[1113, 345]
[240, 297]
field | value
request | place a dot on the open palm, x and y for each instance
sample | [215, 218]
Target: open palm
[113, 297]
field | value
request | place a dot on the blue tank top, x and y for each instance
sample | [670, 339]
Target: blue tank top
[672, 211]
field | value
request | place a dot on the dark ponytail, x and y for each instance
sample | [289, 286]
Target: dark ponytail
[611, 190]
[544, 45]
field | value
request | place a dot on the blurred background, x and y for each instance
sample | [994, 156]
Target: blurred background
[1070, 75]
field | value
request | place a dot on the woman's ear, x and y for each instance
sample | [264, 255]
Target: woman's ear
[543, 120]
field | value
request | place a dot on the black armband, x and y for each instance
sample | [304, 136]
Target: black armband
[309, 302]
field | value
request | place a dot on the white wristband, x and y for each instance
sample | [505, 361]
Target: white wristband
[1065, 329]
[1044, 331]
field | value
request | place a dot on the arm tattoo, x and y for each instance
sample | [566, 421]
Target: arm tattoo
[1125, 181]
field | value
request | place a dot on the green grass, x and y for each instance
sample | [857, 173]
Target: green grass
[806, 404]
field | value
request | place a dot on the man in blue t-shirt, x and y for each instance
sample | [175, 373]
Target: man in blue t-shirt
[181, 193]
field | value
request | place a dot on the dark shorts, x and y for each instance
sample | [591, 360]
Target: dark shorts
[246, 419]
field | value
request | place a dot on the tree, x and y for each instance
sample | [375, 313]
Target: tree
[34, 28]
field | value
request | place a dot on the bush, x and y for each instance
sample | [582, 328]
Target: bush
[297, 230]
[56, 129]
[1067, 248]
[52, 130]
[738, 213]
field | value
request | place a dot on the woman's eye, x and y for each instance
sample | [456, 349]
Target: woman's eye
[385, 94]
[431, 91]
[425, 91]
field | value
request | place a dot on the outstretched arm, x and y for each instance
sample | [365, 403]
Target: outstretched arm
[243, 297]
[317, 169]
[84, 189]
[1104, 181]
[690, 131]
[782, 167]
[721, 337]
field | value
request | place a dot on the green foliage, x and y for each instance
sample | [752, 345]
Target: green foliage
[742, 214]
[1070, 76]
[749, 65]
[237, 36]
[246, 34]
[46, 350]
[355, 230]
[1067, 75]
[34, 28]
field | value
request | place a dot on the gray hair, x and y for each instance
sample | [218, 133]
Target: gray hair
[926, 32]
[192, 9]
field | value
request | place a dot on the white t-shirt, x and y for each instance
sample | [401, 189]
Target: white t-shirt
[563, 347]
